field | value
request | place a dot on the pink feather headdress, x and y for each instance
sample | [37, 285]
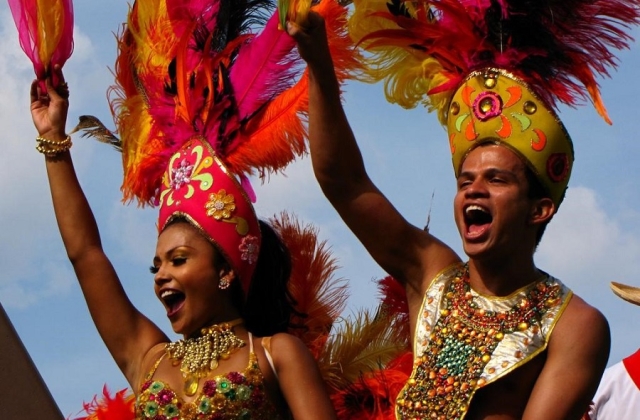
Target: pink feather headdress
[190, 68]
[207, 93]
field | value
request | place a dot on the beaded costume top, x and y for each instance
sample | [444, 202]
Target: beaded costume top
[232, 396]
[465, 341]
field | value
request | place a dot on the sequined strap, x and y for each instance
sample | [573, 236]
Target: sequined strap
[155, 367]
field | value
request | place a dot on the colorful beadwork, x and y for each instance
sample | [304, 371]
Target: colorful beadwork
[459, 353]
[234, 396]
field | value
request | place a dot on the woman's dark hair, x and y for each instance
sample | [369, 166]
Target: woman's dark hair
[268, 307]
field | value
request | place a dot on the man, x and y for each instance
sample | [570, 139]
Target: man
[495, 338]
[618, 396]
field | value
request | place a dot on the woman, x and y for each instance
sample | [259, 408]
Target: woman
[188, 273]
[220, 273]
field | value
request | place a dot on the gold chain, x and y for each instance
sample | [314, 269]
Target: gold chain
[199, 356]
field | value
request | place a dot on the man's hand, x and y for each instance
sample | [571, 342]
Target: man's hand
[311, 37]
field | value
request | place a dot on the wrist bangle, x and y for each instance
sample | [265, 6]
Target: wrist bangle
[52, 148]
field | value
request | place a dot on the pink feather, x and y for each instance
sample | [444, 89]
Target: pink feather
[264, 68]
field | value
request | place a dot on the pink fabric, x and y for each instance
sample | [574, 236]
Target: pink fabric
[54, 19]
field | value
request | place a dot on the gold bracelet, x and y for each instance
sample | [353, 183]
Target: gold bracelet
[63, 143]
[52, 148]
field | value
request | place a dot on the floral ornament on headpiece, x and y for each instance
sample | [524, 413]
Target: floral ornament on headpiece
[202, 102]
[494, 70]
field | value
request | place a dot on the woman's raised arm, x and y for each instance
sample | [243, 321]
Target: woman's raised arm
[127, 333]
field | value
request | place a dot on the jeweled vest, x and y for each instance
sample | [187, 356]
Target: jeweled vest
[465, 341]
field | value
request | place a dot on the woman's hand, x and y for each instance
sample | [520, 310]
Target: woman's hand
[49, 109]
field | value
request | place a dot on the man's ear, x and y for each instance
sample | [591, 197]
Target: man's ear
[542, 211]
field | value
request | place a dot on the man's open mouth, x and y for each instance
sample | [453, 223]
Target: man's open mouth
[477, 219]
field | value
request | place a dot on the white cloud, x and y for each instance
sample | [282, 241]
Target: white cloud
[31, 253]
[587, 247]
[585, 243]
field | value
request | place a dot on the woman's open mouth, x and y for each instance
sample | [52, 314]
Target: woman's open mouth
[173, 300]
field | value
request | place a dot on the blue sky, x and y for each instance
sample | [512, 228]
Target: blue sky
[594, 239]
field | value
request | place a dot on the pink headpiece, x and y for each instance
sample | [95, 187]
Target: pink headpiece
[201, 102]
[199, 187]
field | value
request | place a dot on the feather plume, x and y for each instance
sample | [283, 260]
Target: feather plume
[107, 407]
[200, 68]
[277, 132]
[319, 295]
[427, 48]
[263, 69]
[373, 395]
[45, 31]
[364, 359]
[360, 344]
[293, 10]
[394, 304]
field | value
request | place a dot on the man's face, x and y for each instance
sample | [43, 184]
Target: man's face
[492, 210]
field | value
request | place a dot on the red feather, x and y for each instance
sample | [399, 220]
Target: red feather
[319, 295]
[118, 407]
[558, 47]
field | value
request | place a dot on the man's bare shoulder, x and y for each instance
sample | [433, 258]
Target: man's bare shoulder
[582, 320]
[577, 354]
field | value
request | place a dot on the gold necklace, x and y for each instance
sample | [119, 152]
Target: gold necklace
[198, 356]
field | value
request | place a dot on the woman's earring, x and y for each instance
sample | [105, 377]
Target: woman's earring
[225, 281]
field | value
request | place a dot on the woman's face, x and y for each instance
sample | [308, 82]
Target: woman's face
[187, 272]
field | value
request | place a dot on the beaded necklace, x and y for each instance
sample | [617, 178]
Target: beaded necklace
[462, 343]
[198, 356]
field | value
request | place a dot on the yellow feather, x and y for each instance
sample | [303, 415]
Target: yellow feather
[408, 76]
[360, 345]
[293, 10]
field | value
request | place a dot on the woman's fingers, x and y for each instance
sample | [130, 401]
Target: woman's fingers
[62, 88]
[34, 94]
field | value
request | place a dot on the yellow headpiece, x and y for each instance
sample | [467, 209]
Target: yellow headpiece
[495, 70]
[492, 105]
